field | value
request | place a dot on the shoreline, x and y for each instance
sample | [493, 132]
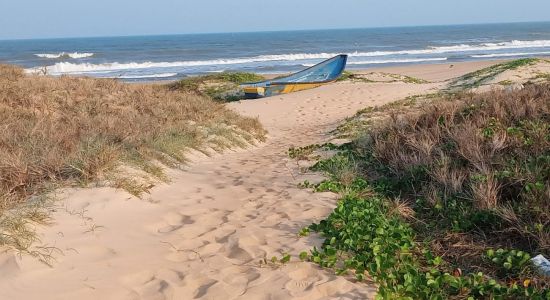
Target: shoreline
[407, 69]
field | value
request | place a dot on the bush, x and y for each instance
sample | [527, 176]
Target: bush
[437, 189]
[220, 87]
[68, 130]
[478, 163]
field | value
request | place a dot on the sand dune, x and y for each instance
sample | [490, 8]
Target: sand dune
[202, 236]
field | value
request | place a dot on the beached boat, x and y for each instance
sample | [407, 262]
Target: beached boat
[317, 75]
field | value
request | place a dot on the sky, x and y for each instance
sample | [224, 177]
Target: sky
[74, 18]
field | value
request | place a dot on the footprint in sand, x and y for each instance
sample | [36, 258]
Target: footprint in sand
[171, 221]
[196, 286]
[146, 285]
[172, 276]
[297, 287]
[233, 251]
[236, 279]
[301, 280]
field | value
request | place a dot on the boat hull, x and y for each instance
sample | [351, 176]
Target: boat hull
[322, 73]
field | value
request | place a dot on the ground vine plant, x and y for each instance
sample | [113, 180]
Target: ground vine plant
[447, 203]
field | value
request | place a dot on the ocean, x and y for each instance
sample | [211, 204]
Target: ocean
[168, 57]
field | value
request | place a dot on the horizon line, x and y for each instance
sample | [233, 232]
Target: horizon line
[268, 31]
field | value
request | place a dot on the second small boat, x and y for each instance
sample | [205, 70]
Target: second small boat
[317, 75]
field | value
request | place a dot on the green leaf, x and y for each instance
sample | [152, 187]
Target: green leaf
[285, 258]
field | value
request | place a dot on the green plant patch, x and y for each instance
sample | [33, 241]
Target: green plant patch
[353, 77]
[350, 76]
[221, 87]
[544, 76]
[479, 77]
[447, 202]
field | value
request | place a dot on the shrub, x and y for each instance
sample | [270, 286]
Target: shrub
[67, 130]
[221, 87]
[487, 153]
[437, 189]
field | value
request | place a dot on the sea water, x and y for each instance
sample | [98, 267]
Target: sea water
[166, 57]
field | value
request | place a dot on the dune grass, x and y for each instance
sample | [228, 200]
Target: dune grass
[390, 78]
[60, 131]
[480, 77]
[544, 76]
[481, 159]
[220, 87]
[448, 201]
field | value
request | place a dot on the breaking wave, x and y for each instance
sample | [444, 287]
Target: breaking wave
[85, 68]
[510, 54]
[462, 48]
[161, 75]
[74, 55]
[389, 61]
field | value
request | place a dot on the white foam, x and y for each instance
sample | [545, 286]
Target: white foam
[461, 48]
[74, 55]
[161, 75]
[430, 50]
[75, 68]
[389, 61]
[84, 68]
[509, 54]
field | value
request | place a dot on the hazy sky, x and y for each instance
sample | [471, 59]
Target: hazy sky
[70, 18]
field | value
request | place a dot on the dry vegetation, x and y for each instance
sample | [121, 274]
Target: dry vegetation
[380, 77]
[60, 131]
[220, 87]
[445, 195]
[482, 161]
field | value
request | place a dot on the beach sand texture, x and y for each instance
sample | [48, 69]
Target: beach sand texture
[202, 235]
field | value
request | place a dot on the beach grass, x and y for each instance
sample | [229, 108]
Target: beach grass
[480, 77]
[67, 131]
[373, 77]
[543, 76]
[449, 201]
[220, 87]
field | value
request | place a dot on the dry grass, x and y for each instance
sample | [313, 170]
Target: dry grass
[220, 87]
[484, 76]
[477, 163]
[68, 130]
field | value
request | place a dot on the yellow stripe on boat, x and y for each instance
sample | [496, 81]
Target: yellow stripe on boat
[254, 90]
[289, 88]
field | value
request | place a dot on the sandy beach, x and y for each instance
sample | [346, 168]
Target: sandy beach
[203, 235]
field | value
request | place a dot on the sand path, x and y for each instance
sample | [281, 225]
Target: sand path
[201, 236]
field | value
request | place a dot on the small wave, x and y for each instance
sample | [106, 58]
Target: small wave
[509, 54]
[515, 44]
[161, 75]
[390, 61]
[85, 68]
[74, 55]
[461, 48]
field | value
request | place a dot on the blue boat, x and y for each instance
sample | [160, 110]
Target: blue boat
[322, 73]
